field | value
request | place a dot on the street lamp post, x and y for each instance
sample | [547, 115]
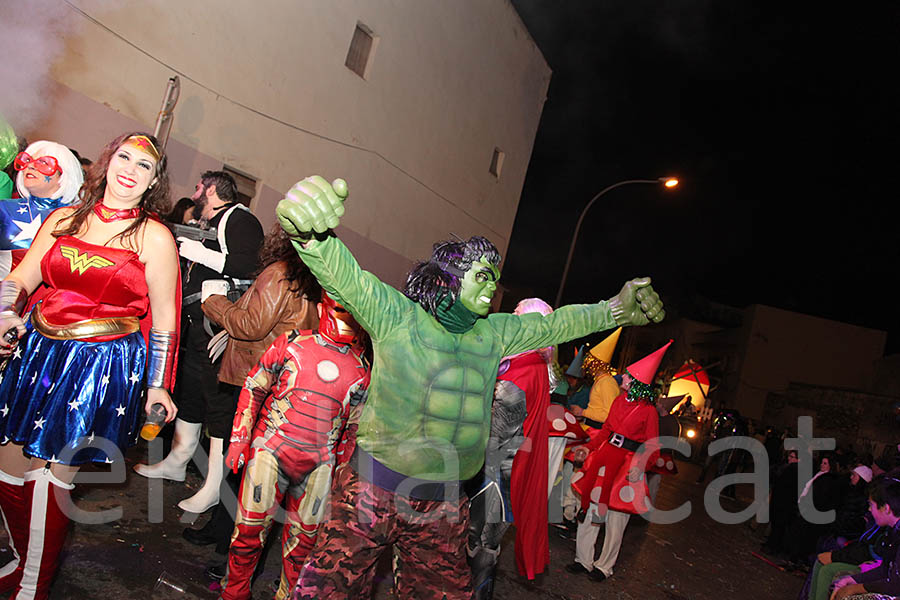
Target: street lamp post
[669, 182]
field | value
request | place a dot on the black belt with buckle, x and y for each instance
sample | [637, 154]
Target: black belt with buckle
[620, 441]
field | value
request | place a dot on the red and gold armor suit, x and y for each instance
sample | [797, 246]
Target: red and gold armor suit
[296, 403]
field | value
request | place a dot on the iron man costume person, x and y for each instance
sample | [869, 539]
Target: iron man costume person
[302, 392]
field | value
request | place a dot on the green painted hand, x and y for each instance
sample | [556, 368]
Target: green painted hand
[637, 304]
[312, 205]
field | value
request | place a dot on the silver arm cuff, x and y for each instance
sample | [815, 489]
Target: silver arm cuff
[161, 363]
[12, 297]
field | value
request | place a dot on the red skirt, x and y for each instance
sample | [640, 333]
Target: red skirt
[594, 481]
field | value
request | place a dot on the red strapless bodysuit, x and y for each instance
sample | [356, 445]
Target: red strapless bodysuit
[88, 281]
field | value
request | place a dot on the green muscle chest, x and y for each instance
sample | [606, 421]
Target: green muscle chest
[456, 408]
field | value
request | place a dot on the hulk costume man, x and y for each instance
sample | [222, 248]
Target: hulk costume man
[425, 424]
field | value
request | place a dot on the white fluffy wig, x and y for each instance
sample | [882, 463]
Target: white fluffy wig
[72, 176]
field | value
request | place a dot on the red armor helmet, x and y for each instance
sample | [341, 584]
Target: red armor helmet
[336, 323]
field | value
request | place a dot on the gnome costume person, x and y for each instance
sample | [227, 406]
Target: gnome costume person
[578, 393]
[596, 365]
[605, 389]
[567, 435]
[564, 432]
[611, 483]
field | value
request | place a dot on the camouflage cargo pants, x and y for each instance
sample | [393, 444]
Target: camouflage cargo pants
[428, 540]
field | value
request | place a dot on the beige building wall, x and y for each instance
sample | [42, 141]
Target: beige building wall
[769, 352]
[782, 347]
[264, 89]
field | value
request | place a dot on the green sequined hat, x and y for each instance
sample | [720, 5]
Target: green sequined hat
[643, 372]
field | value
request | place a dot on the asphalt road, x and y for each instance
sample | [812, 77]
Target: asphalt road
[696, 558]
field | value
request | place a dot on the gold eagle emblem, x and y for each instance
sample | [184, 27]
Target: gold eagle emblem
[106, 213]
[82, 262]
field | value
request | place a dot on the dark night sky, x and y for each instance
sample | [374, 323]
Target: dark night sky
[780, 119]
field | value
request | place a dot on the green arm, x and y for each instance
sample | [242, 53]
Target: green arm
[314, 205]
[376, 305]
[519, 333]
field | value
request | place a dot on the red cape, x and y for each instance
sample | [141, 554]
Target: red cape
[528, 483]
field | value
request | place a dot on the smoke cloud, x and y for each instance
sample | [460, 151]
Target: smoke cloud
[32, 37]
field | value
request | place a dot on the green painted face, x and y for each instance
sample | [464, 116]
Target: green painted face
[478, 287]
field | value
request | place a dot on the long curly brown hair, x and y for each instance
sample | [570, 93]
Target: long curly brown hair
[277, 247]
[155, 200]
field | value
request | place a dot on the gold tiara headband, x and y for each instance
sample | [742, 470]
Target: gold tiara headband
[142, 142]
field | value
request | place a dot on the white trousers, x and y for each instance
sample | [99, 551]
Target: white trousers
[556, 447]
[586, 538]
[570, 501]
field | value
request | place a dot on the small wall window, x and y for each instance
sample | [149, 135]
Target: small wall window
[362, 49]
[246, 185]
[497, 162]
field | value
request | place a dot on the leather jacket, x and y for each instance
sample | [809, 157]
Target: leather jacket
[265, 311]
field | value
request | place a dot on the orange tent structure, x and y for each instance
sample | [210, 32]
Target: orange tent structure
[691, 380]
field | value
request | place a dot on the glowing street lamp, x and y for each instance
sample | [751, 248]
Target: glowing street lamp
[668, 182]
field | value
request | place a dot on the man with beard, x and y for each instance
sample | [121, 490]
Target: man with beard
[201, 398]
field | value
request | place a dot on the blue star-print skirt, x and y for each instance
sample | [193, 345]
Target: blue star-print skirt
[71, 401]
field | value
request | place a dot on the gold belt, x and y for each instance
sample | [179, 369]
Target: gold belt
[89, 328]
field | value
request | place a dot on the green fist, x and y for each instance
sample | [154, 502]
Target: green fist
[637, 304]
[312, 205]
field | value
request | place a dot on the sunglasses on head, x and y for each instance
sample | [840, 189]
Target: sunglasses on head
[45, 165]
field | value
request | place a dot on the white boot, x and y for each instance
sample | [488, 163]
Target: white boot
[173, 466]
[208, 495]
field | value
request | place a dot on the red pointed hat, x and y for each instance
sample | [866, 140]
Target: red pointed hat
[644, 370]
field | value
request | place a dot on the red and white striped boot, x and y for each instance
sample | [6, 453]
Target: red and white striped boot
[15, 519]
[48, 529]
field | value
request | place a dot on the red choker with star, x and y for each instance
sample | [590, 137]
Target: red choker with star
[108, 215]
